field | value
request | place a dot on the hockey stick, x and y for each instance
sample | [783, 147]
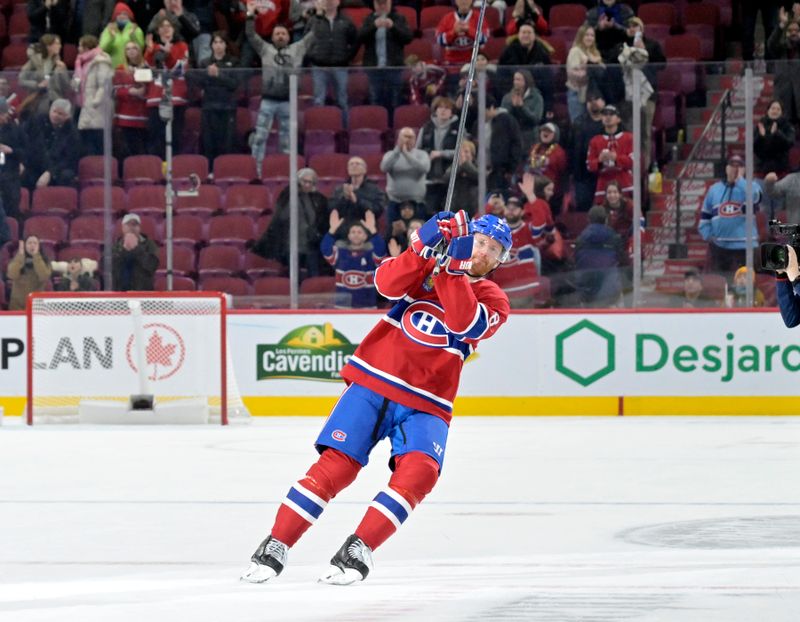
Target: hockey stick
[462, 123]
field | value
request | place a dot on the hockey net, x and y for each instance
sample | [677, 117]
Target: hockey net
[84, 348]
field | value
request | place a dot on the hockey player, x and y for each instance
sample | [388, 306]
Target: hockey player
[401, 382]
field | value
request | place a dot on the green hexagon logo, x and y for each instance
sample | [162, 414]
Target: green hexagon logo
[586, 338]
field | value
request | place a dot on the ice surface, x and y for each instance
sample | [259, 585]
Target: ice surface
[541, 519]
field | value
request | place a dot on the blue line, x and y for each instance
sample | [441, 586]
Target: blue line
[427, 503]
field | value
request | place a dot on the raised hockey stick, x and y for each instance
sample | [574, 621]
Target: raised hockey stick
[462, 123]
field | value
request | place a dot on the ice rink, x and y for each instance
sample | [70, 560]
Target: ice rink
[541, 519]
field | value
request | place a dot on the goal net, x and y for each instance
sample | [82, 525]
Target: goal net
[94, 353]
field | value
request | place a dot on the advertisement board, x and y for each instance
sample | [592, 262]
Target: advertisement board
[602, 363]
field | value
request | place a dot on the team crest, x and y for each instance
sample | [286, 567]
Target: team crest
[423, 322]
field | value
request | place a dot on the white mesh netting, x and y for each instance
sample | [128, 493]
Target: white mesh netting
[85, 348]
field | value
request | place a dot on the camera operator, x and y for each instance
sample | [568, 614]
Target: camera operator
[788, 289]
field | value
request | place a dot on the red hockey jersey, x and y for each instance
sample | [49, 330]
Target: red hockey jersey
[415, 353]
[622, 144]
[458, 47]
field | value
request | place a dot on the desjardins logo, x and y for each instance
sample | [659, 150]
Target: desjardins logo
[585, 353]
[310, 352]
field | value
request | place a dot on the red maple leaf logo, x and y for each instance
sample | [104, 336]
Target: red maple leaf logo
[157, 352]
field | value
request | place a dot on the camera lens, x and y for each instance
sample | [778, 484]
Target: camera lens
[779, 256]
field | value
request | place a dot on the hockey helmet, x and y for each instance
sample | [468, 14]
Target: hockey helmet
[497, 229]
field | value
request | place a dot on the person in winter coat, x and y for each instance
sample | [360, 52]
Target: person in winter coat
[334, 45]
[526, 105]
[29, 271]
[549, 159]
[357, 195]
[53, 148]
[118, 32]
[45, 76]
[384, 34]
[599, 253]
[312, 211]
[134, 258]
[219, 82]
[92, 80]
[130, 117]
[48, 17]
[438, 137]
[76, 275]
[784, 45]
[774, 137]
[504, 145]
[527, 50]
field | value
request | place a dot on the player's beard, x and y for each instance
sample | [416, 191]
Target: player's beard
[482, 267]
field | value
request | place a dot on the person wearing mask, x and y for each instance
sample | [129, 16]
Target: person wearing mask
[118, 32]
[29, 271]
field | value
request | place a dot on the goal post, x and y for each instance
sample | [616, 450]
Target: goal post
[130, 357]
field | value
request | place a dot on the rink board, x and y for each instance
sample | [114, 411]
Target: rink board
[539, 363]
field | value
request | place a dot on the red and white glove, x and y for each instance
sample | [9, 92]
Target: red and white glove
[456, 226]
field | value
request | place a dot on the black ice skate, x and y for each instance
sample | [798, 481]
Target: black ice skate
[267, 562]
[350, 564]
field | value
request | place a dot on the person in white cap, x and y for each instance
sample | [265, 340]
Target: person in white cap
[134, 258]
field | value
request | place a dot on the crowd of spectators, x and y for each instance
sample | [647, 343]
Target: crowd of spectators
[555, 140]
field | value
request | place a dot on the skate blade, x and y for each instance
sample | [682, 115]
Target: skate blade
[258, 574]
[336, 576]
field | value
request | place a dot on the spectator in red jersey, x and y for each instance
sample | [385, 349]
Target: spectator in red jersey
[169, 56]
[426, 81]
[619, 210]
[538, 190]
[611, 156]
[130, 116]
[527, 12]
[457, 31]
[549, 159]
[519, 276]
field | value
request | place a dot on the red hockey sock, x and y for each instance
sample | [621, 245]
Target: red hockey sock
[414, 477]
[306, 500]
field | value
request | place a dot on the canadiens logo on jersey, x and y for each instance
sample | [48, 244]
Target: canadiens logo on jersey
[730, 209]
[423, 322]
[354, 279]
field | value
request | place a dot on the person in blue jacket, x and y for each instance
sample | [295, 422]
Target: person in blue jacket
[788, 290]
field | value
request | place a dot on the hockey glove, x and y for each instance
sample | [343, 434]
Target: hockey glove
[429, 239]
[457, 226]
[458, 259]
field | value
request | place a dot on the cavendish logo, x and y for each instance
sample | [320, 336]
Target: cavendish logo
[338, 435]
[310, 352]
[423, 322]
[164, 351]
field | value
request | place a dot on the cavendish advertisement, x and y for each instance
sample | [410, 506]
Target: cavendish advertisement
[606, 364]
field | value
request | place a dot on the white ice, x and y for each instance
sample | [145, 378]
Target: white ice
[541, 519]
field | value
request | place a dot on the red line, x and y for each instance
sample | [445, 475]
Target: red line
[621, 406]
